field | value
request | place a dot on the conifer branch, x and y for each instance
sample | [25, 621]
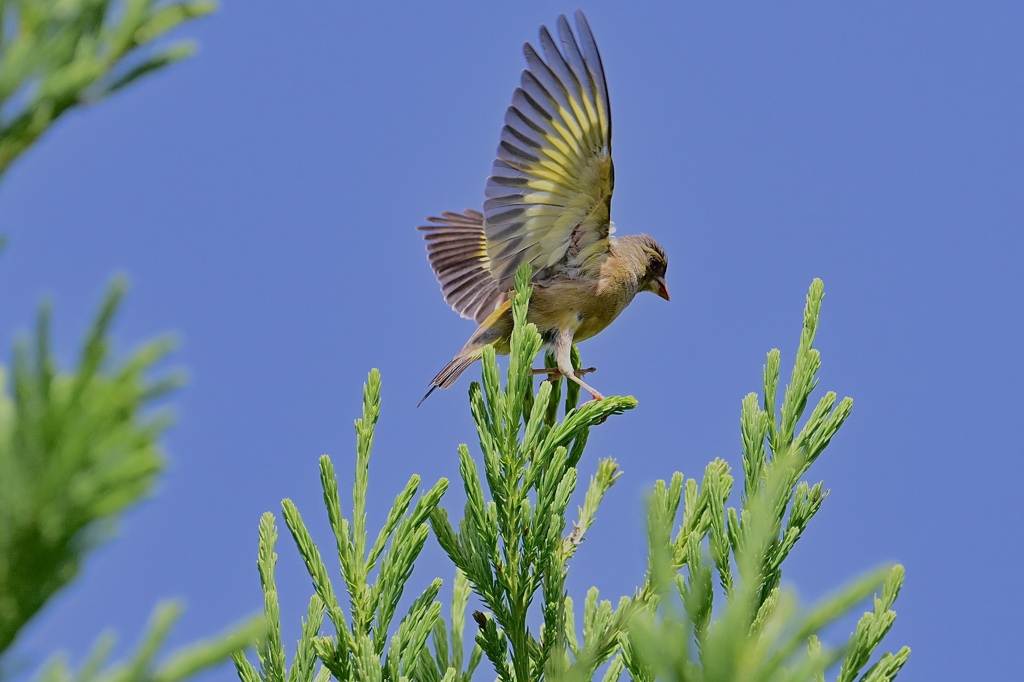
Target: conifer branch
[363, 646]
[711, 606]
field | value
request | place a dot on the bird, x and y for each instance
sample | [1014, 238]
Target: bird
[547, 203]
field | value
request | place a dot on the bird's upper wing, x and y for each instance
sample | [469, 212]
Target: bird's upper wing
[549, 194]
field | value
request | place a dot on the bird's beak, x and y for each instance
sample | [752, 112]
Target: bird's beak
[659, 287]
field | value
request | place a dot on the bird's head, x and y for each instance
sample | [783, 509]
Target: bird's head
[653, 264]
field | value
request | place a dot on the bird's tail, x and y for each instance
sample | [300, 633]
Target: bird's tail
[451, 372]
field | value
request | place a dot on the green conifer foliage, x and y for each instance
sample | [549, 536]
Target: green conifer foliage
[710, 608]
[363, 646]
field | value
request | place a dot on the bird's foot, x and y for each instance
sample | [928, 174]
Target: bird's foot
[594, 397]
[554, 372]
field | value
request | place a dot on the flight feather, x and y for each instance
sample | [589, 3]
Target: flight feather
[549, 194]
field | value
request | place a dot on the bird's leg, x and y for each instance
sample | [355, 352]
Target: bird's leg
[563, 350]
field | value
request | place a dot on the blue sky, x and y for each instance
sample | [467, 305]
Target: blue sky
[263, 196]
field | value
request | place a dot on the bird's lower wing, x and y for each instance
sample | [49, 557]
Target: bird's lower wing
[457, 250]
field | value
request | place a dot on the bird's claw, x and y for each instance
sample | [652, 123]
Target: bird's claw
[554, 373]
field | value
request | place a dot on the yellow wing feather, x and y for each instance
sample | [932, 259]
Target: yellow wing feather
[549, 193]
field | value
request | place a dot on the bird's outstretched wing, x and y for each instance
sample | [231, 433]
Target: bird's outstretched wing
[549, 194]
[457, 251]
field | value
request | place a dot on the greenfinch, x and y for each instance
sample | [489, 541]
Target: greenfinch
[548, 203]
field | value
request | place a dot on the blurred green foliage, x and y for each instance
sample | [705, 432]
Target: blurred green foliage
[142, 666]
[56, 55]
[80, 446]
[76, 449]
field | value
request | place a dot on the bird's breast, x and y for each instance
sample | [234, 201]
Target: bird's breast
[583, 307]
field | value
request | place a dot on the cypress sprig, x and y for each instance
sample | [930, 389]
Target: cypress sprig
[305, 655]
[760, 634]
[607, 473]
[363, 646]
[271, 649]
[872, 627]
[447, 662]
[515, 546]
